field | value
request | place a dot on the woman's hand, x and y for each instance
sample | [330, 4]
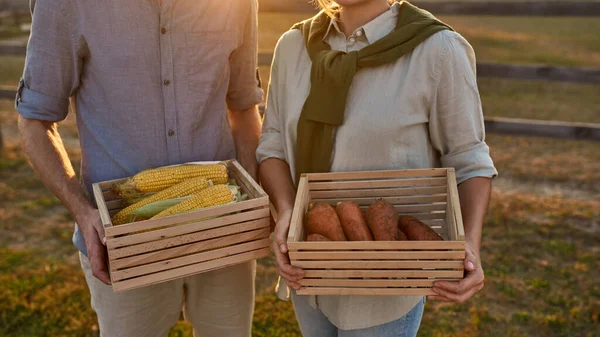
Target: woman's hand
[290, 274]
[463, 290]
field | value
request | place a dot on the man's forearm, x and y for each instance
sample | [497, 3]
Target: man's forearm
[246, 128]
[47, 154]
[474, 201]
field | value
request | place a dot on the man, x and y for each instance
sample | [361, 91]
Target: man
[152, 83]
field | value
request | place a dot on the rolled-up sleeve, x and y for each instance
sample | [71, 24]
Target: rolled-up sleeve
[456, 123]
[244, 90]
[271, 144]
[53, 63]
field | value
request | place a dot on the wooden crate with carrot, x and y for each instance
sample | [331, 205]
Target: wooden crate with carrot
[414, 219]
[171, 222]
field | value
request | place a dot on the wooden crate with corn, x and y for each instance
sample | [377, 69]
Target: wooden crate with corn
[176, 221]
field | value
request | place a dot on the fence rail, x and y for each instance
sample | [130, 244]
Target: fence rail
[500, 8]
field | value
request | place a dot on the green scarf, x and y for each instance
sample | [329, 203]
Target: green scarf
[332, 73]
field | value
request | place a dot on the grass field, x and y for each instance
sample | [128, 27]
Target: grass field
[541, 248]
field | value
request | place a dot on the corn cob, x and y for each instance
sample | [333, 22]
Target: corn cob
[187, 187]
[158, 179]
[211, 196]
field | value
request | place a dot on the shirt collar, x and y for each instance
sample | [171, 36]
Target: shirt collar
[376, 28]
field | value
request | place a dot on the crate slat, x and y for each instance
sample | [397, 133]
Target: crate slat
[378, 193]
[386, 255]
[168, 253]
[364, 291]
[115, 205]
[367, 283]
[460, 231]
[435, 172]
[244, 178]
[187, 239]
[392, 200]
[101, 203]
[376, 264]
[187, 228]
[187, 217]
[189, 270]
[452, 274]
[377, 245]
[370, 184]
[296, 233]
[189, 259]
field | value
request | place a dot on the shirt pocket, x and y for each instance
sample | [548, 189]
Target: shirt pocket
[207, 58]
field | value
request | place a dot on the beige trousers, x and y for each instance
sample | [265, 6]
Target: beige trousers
[217, 304]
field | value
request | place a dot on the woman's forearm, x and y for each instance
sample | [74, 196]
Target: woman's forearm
[276, 179]
[474, 197]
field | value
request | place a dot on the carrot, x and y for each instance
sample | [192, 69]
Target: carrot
[416, 230]
[322, 219]
[382, 219]
[316, 238]
[353, 222]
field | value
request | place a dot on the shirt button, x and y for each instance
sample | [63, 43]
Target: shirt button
[167, 82]
[351, 40]
[171, 133]
[359, 33]
[163, 30]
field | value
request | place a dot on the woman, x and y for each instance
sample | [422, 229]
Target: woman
[373, 85]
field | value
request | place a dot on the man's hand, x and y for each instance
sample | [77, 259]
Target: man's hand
[93, 235]
[463, 290]
[290, 274]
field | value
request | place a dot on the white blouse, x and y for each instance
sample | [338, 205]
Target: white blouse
[421, 111]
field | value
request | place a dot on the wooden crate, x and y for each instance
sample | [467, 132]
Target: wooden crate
[381, 267]
[140, 254]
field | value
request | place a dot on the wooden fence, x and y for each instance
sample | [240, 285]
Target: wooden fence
[578, 131]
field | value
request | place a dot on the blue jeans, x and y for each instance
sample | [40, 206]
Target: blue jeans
[313, 323]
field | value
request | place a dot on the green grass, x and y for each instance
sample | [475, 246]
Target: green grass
[540, 100]
[558, 41]
[538, 253]
[547, 160]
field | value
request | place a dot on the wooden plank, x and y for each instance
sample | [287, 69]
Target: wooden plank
[189, 259]
[296, 232]
[370, 184]
[367, 255]
[539, 73]
[165, 254]
[357, 264]
[375, 193]
[101, 204]
[8, 93]
[380, 193]
[366, 283]
[495, 8]
[453, 195]
[187, 239]
[450, 217]
[393, 200]
[191, 216]
[251, 184]
[364, 291]
[189, 270]
[551, 129]
[454, 274]
[116, 204]
[378, 245]
[176, 230]
[382, 174]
